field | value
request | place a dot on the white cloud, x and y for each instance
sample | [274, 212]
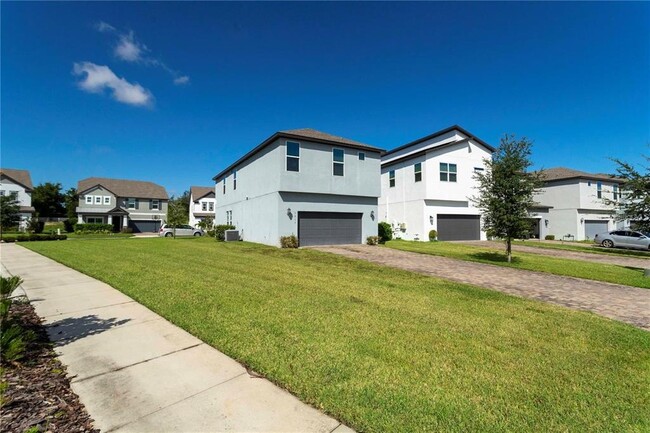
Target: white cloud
[104, 27]
[96, 78]
[128, 49]
[181, 80]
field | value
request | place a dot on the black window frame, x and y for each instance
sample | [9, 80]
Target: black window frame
[417, 172]
[336, 164]
[391, 178]
[291, 159]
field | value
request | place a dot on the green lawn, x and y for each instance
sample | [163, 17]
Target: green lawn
[580, 247]
[95, 236]
[529, 261]
[385, 350]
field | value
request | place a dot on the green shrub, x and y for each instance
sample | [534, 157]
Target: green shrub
[68, 225]
[549, 237]
[433, 235]
[13, 337]
[372, 240]
[289, 241]
[93, 228]
[33, 237]
[385, 232]
[211, 233]
[220, 231]
[35, 226]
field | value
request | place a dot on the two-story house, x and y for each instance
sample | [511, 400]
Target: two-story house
[18, 182]
[202, 203]
[142, 206]
[427, 184]
[319, 187]
[576, 201]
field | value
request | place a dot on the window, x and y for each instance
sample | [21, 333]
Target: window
[588, 183]
[234, 179]
[229, 217]
[2, 192]
[204, 206]
[155, 204]
[391, 178]
[107, 199]
[448, 172]
[293, 156]
[224, 185]
[599, 190]
[615, 192]
[89, 199]
[211, 206]
[362, 156]
[130, 203]
[338, 160]
[417, 169]
[98, 199]
[95, 220]
[479, 169]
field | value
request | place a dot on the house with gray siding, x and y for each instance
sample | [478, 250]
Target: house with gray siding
[139, 205]
[320, 187]
[18, 183]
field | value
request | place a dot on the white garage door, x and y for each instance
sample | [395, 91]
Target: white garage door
[594, 227]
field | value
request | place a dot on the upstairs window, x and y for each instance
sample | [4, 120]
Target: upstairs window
[98, 199]
[107, 199]
[479, 169]
[599, 190]
[234, 179]
[338, 161]
[155, 204]
[448, 172]
[615, 192]
[391, 178]
[89, 199]
[229, 217]
[204, 206]
[362, 156]
[211, 206]
[224, 186]
[130, 203]
[417, 169]
[293, 156]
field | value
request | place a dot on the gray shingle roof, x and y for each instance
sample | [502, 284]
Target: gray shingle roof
[125, 188]
[20, 176]
[198, 192]
[561, 173]
[324, 136]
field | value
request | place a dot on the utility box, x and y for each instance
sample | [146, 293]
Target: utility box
[231, 235]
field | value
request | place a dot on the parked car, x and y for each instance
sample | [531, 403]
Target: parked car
[623, 239]
[181, 230]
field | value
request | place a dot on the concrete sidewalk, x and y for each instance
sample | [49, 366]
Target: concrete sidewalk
[136, 372]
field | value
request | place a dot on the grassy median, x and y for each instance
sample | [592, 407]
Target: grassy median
[385, 350]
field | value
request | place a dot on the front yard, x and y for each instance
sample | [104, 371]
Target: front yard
[559, 266]
[385, 350]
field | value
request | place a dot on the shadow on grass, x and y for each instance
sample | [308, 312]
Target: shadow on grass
[494, 257]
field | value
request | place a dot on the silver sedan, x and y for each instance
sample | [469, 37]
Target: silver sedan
[623, 239]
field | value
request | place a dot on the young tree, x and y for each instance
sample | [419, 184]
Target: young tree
[48, 200]
[506, 190]
[177, 213]
[9, 211]
[71, 201]
[634, 203]
[207, 223]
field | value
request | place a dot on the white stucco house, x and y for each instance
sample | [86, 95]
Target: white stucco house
[317, 186]
[18, 182]
[202, 203]
[576, 202]
[426, 185]
[138, 205]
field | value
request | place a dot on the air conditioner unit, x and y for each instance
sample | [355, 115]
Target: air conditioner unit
[231, 235]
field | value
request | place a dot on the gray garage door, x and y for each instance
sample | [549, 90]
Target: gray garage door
[459, 227]
[144, 226]
[593, 227]
[329, 228]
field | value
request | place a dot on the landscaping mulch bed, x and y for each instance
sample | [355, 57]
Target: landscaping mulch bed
[37, 395]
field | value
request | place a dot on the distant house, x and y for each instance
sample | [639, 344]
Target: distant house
[317, 186]
[142, 206]
[202, 203]
[427, 184]
[575, 202]
[18, 182]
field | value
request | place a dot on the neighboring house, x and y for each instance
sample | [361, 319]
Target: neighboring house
[427, 184]
[319, 187]
[576, 202]
[20, 183]
[142, 206]
[202, 203]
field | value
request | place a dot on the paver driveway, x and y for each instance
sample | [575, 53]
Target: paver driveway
[631, 261]
[624, 303]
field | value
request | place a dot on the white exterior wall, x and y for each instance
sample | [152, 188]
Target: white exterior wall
[24, 198]
[198, 208]
[416, 205]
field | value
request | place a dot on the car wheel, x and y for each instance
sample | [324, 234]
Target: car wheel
[607, 243]
[197, 234]
[169, 234]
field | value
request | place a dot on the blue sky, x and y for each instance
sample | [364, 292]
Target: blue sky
[174, 92]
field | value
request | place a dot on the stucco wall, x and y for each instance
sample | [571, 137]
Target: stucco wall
[10, 186]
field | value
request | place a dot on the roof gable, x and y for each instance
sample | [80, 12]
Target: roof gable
[124, 188]
[19, 176]
[199, 192]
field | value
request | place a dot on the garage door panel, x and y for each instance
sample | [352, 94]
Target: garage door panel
[148, 226]
[329, 228]
[459, 227]
[594, 227]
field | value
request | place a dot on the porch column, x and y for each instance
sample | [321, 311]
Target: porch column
[80, 219]
[110, 219]
[125, 221]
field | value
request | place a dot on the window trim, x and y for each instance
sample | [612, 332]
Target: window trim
[417, 172]
[224, 185]
[107, 200]
[287, 156]
[234, 180]
[90, 199]
[615, 192]
[599, 189]
[362, 156]
[447, 173]
[391, 178]
[130, 200]
[211, 206]
[341, 163]
[157, 204]
[204, 206]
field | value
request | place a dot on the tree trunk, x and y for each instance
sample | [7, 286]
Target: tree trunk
[509, 249]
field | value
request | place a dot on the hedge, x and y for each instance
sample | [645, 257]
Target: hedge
[93, 228]
[34, 237]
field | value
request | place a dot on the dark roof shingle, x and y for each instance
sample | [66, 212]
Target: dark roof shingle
[561, 173]
[198, 192]
[20, 176]
[125, 188]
